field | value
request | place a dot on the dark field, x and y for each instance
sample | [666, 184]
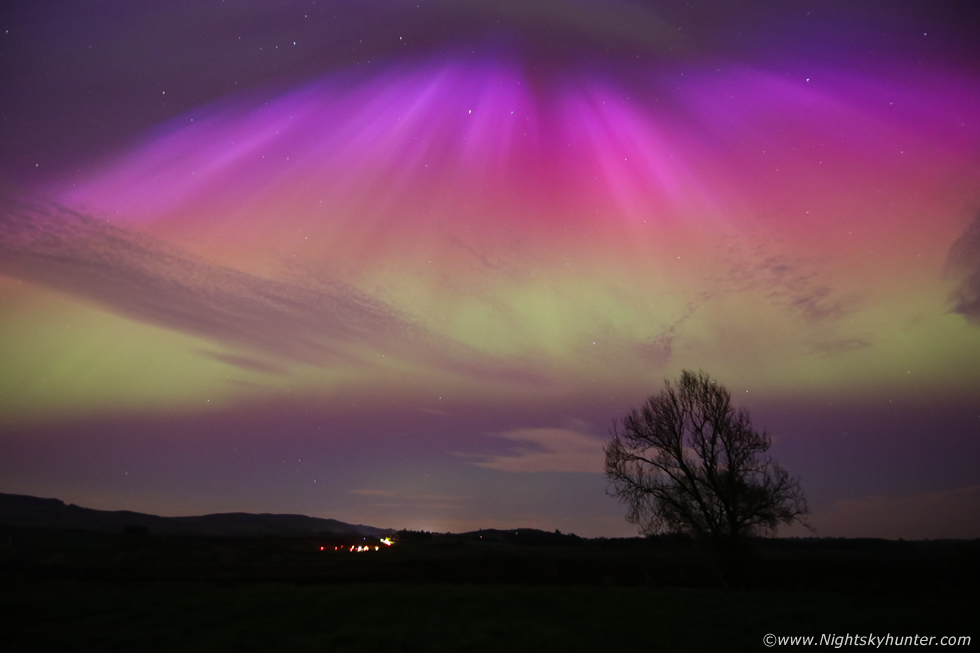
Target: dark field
[531, 591]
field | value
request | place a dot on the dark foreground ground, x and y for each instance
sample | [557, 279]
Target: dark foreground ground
[71, 591]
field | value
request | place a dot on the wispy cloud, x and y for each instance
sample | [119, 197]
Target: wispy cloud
[383, 498]
[148, 280]
[838, 346]
[151, 281]
[963, 267]
[243, 362]
[548, 450]
[797, 285]
[943, 514]
[798, 288]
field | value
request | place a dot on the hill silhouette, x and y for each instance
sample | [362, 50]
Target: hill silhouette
[33, 512]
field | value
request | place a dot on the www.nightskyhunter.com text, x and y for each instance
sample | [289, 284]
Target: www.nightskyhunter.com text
[875, 641]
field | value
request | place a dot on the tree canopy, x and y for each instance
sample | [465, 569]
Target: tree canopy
[690, 462]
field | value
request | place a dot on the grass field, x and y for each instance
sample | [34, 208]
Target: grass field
[87, 616]
[63, 590]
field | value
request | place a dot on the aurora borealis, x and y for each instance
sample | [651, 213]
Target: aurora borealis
[402, 263]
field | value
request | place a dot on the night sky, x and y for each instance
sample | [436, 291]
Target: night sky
[402, 263]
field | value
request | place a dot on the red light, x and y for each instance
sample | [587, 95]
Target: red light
[321, 548]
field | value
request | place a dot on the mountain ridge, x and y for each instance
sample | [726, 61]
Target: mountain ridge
[27, 511]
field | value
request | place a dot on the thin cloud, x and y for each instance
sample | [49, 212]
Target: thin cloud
[798, 286]
[243, 362]
[548, 450]
[963, 267]
[151, 281]
[400, 499]
[951, 513]
[148, 280]
[837, 347]
[399, 494]
[795, 287]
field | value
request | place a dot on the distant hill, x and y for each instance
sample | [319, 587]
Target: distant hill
[33, 512]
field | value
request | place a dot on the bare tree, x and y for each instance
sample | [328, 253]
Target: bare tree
[689, 462]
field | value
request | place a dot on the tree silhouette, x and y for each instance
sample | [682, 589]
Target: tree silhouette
[689, 462]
